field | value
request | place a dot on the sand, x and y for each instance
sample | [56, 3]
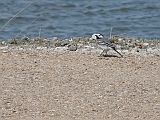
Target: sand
[41, 84]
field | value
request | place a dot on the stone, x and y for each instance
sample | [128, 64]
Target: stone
[72, 47]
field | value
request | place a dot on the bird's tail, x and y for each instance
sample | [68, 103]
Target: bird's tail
[117, 51]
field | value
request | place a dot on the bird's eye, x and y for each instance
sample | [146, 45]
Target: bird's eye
[96, 36]
[100, 36]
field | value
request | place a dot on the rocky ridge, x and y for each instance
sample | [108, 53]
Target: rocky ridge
[123, 44]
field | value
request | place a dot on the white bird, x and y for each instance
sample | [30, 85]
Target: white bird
[104, 43]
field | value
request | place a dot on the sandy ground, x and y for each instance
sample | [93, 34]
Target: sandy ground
[40, 84]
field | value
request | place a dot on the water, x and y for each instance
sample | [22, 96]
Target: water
[65, 19]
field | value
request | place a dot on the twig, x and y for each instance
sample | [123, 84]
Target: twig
[110, 32]
[107, 33]
[27, 27]
[17, 14]
[40, 32]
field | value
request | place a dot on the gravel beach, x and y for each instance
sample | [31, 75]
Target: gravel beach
[45, 84]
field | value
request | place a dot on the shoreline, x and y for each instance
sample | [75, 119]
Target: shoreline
[125, 45]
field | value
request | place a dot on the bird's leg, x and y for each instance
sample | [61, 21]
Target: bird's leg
[104, 51]
[101, 53]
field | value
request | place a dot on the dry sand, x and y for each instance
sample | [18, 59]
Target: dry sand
[41, 84]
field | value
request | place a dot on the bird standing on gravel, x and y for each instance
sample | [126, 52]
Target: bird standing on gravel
[104, 43]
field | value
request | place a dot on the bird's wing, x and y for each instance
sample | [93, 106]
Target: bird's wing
[105, 41]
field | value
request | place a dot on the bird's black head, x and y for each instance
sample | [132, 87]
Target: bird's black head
[97, 36]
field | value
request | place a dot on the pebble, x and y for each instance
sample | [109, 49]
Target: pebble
[145, 44]
[72, 47]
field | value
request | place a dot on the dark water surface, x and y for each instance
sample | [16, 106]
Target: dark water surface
[68, 18]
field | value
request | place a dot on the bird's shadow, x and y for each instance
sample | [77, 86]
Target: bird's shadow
[107, 56]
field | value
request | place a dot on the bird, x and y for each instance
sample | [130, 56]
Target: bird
[104, 43]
